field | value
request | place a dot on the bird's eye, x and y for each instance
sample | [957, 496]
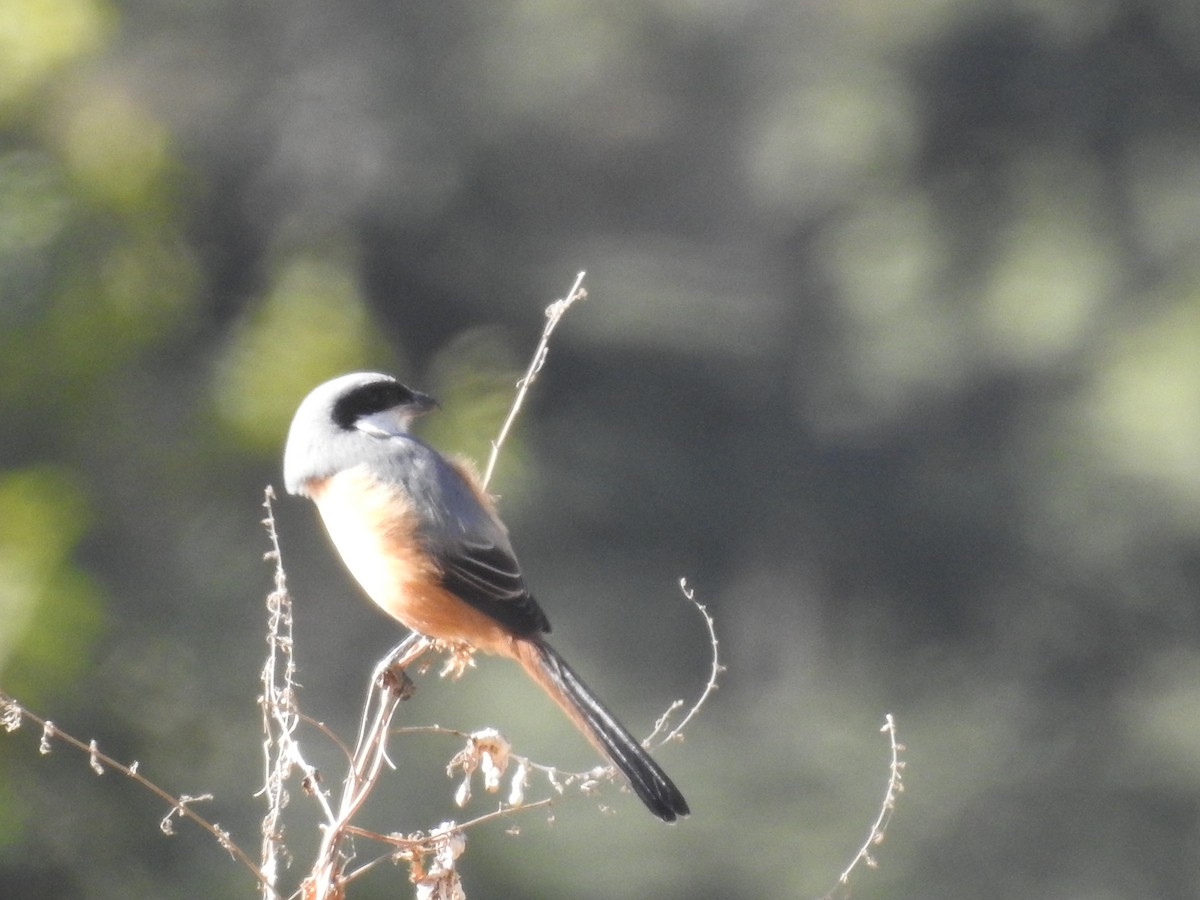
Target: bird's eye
[375, 399]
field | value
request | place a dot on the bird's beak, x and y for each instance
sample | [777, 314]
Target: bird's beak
[421, 404]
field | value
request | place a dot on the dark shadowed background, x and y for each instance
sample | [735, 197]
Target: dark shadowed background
[892, 349]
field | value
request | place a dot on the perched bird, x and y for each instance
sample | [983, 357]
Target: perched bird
[423, 539]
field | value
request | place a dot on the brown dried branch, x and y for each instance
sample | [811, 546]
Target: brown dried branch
[389, 686]
[12, 715]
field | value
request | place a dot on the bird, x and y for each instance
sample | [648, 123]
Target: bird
[423, 539]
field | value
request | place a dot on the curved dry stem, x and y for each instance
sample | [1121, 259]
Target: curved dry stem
[895, 786]
[714, 674]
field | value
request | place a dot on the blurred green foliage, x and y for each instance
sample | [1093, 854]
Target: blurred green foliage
[52, 610]
[38, 38]
[1144, 407]
[312, 324]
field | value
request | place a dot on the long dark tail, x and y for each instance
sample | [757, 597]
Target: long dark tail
[601, 727]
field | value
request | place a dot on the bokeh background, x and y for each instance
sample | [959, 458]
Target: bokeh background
[892, 349]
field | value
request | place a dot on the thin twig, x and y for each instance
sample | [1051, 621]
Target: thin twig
[329, 733]
[11, 714]
[409, 843]
[554, 312]
[714, 674]
[895, 787]
[420, 844]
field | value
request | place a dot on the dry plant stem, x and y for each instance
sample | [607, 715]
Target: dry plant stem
[895, 787]
[409, 649]
[676, 733]
[11, 712]
[403, 843]
[281, 717]
[554, 312]
[383, 697]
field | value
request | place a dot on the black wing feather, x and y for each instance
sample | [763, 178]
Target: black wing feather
[489, 578]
